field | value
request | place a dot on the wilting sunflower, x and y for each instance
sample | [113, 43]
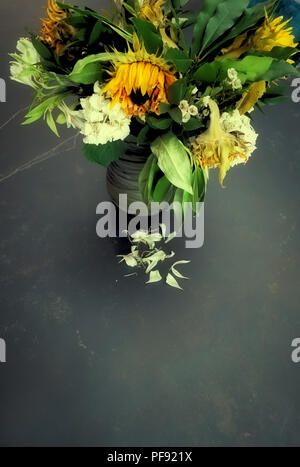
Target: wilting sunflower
[55, 31]
[229, 140]
[273, 33]
[151, 10]
[139, 81]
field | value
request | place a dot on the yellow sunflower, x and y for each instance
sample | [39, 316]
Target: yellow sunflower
[139, 81]
[55, 31]
[273, 33]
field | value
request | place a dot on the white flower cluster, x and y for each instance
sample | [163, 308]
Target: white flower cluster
[102, 123]
[23, 69]
[241, 125]
[233, 79]
[187, 111]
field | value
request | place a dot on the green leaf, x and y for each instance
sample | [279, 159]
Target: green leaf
[104, 154]
[180, 59]
[146, 178]
[250, 68]
[91, 73]
[164, 108]
[153, 171]
[186, 198]
[96, 32]
[149, 35]
[161, 190]
[224, 19]
[51, 123]
[274, 100]
[193, 124]
[143, 135]
[159, 123]
[279, 69]
[248, 20]
[81, 64]
[280, 53]
[176, 115]
[207, 10]
[76, 20]
[41, 49]
[199, 187]
[177, 91]
[173, 160]
[40, 110]
[143, 178]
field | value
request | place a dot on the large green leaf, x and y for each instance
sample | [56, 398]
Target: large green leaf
[41, 49]
[91, 73]
[225, 17]
[159, 123]
[84, 62]
[250, 68]
[204, 16]
[161, 190]
[149, 35]
[173, 160]
[104, 154]
[177, 91]
[144, 177]
[279, 69]
[180, 59]
[147, 177]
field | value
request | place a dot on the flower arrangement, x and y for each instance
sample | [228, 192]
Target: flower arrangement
[182, 85]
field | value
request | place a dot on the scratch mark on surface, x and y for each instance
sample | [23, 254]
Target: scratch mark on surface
[44, 156]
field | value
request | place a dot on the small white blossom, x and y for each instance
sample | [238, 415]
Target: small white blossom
[193, 111]
[24, 69]
[232, 74]
[187, 111]
[236, 84]
[194, 91]
[186, 117]
[233, 79]
[184, 106]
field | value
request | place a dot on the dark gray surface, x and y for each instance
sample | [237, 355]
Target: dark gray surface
[98, 359]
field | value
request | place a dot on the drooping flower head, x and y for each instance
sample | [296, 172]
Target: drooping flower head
[151, 10]
[273, 33]
[55, 31]
[139, 81]
[229, 140]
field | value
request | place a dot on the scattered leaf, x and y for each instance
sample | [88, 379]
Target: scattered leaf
[172, 282]
[154, 277]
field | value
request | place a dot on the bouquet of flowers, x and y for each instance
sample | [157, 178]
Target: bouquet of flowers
[182, 85]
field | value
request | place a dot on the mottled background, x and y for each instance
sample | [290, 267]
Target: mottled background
[98, 359]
